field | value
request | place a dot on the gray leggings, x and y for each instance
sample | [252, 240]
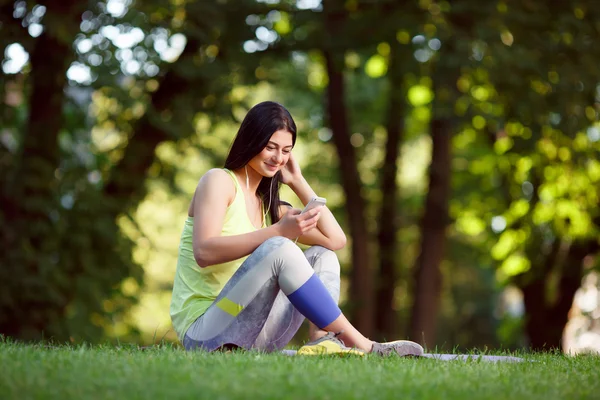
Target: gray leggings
[252, 310]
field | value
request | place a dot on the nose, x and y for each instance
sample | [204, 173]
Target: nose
[278, 157]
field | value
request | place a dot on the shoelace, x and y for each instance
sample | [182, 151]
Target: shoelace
[334, 337]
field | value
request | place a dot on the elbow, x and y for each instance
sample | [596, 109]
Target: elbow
[338, 243]
[201, 258]
[200, 261]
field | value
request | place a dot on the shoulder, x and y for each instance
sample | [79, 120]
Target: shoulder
[217, 178]
[216, 175]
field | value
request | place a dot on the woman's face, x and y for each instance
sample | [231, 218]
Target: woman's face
[275, 154]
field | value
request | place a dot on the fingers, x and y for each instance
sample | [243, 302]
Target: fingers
[310, 223]
[299, 223]
[294, 211]
[310, 214]
[307, 219]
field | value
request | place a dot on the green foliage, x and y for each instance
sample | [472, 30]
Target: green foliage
[519, 80]
[68, 270]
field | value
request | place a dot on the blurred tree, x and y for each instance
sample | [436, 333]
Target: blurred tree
[512, 122]
[361, 282]
[386, 318]
[35, 297]
[59, 206]
[533, 89]
[552, 63]
[454, 27]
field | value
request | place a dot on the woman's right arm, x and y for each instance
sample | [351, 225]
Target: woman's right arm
[213, 194]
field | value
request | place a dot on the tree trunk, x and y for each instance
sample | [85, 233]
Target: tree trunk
[29, 197]
[385, 313]
[545, 319]
[50, 58]
[361, 285]
[361, 278]
[428, 279]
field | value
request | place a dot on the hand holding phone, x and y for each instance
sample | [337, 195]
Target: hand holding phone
[314, 202]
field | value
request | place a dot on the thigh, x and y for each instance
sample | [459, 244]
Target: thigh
[239, 312]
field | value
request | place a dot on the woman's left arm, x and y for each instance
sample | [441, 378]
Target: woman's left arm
[328, 232]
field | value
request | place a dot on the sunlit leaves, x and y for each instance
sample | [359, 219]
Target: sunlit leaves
[478, 122]
[503, 144]
[593, 170]
[352, 60]
[403, 37]
[548, 148]
[463, 83]
[420, 95]
[317, 75]
[480, 93]
[509, 241]
[283, 26]
[106, 138]
[464, 138]
[523, 167]
[514, 128]
[507, 38]
[483, 166]
[469, 224]
[376, 66]
[514, 265]
[541, 87]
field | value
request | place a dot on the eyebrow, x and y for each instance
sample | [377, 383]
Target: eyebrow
[277, 144]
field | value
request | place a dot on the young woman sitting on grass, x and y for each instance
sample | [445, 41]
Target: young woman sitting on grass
[241, 280]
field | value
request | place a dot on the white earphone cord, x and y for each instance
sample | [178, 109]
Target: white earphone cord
[264, 220]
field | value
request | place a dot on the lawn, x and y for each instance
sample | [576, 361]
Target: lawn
[167, 372]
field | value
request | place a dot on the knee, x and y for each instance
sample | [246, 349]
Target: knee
[323, 260]
[276, 242]
[281, 244]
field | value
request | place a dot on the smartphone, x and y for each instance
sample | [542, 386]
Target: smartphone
[314, 202]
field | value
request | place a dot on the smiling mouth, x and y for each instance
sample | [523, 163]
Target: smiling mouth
[271, 166]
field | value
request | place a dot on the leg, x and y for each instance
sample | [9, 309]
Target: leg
[327, 268]
[284, 319]
[239, 312]
[280, 327]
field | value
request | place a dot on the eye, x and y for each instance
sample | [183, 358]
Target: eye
[287, 151]
[270, 148]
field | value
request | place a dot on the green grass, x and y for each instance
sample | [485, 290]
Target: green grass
[167, 372]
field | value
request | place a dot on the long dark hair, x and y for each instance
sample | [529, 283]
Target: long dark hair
[258, 126]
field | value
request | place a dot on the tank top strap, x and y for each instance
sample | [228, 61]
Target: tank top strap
[266, 218]
[234, 178]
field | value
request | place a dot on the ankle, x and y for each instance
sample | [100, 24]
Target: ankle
[316, 334]
[365, 345]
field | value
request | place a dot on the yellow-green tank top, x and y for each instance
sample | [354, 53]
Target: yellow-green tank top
[195, 288]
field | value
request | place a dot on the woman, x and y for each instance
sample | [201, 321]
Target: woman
[241, 281]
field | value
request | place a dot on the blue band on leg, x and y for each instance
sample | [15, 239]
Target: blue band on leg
[314, 302]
